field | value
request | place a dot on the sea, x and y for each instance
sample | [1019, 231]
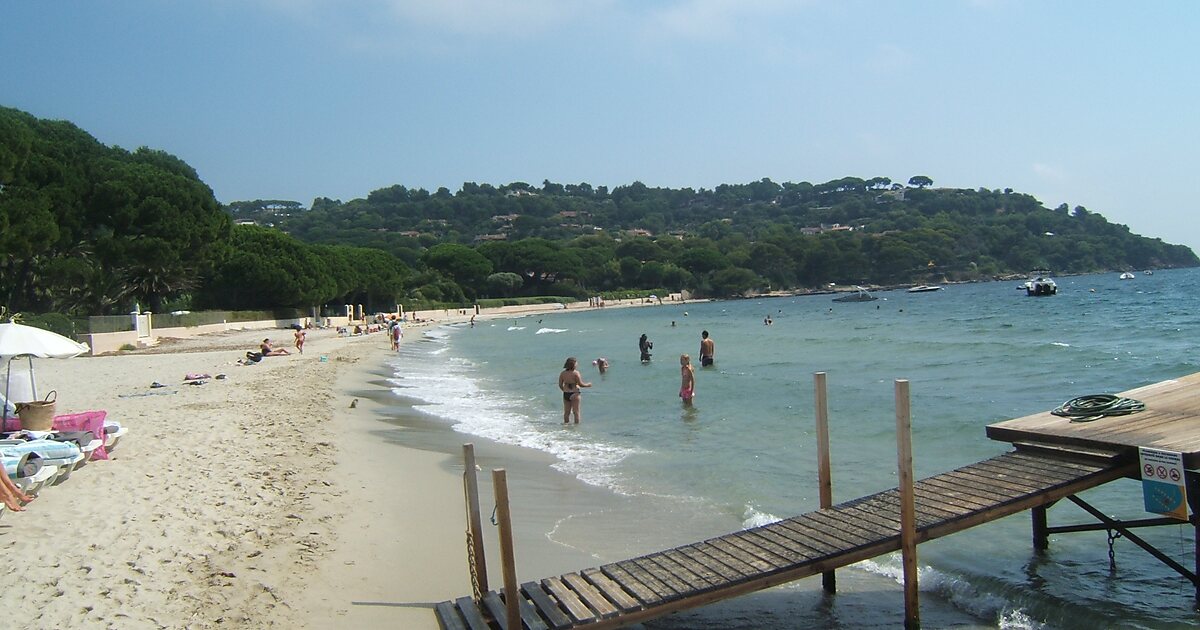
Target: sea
[659, 473]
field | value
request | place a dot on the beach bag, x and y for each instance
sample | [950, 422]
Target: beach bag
[39, 414]
[89, 421]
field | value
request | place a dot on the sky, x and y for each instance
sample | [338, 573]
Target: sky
[1088, 103]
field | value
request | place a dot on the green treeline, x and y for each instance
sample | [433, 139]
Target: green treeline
[90, 229]
[87, 229]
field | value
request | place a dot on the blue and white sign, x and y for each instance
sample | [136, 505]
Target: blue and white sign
[1163, 489]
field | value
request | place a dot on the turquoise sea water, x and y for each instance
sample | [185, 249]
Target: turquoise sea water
[744, 453]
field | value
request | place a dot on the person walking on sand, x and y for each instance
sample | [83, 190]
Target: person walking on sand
[300, 334]
[645, 346]
[708, 349]
[569, 381]
[687, 388]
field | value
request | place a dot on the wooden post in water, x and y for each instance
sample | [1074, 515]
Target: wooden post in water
[824, 476]
[1041, 540]
[507, 560]
[908, 512]
[478, 562]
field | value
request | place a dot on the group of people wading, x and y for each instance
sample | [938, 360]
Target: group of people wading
[571, 382]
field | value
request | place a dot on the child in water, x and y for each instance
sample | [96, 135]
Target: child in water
[687, 388]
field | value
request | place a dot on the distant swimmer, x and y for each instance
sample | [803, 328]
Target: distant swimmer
[687, 388]
[569, 381]
[645, 346]
[601, 364]
[708, 349]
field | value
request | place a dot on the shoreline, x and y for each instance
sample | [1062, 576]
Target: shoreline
[257, 500]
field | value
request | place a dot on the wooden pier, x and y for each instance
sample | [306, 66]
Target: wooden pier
[1054, 459]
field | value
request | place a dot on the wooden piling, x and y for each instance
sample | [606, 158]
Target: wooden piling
[479, 578]
[908, 513]
[824, 475]
[507, 559]
[1041, 537]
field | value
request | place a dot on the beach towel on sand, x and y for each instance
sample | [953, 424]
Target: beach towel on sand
[92, 421]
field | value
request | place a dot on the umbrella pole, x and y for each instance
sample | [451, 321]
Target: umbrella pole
[4, 413]
[32, 380]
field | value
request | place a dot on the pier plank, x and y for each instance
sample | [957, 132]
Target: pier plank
[660, 588]
[732, 561]
[546, 604]
[448, 617]
[590, 595]
[817, 534]
[750, 552]
[859, 529]
[613, 591]
[764, 541]
[575, 607]
[699, 569]
[986, 483]
[781, 536]
[471, 613]
[644, 593]
[664, 576]
[841, 527]
[495, 608]
[728, 573]
[969, 489]
[692, 581]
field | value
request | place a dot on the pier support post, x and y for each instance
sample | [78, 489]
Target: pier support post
[824, 476]
[507, 560]
[478, 561]
[908, 512]
[1041, 538]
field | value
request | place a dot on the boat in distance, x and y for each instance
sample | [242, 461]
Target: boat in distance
[1040, 283]
[1128, 275]
[860, 295]
[924, 288]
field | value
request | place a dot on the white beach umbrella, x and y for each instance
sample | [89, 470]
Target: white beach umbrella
[18, 340]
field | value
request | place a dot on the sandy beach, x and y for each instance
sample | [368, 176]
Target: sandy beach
[262, 499]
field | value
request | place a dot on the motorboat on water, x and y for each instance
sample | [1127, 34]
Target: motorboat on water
[924, 288]
[1128, 275]
[1040, 283]
[860, 295]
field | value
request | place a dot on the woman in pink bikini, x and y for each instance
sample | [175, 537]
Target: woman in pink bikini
[687, 389]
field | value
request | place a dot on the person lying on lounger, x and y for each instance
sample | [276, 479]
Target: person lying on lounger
[11, 494]
[268, 351]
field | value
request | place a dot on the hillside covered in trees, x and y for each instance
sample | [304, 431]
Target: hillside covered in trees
[88, 229]
[726, 240]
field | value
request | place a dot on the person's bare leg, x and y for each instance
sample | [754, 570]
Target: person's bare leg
[566, 411]
[12, 495]
[576, 402]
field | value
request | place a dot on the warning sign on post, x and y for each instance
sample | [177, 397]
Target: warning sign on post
[1163, 488]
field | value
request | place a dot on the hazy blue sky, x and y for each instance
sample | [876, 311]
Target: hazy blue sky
[1088, 103]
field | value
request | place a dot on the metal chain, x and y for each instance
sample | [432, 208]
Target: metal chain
[1112, 556]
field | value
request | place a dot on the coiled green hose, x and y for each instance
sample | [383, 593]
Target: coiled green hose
[1095, 406]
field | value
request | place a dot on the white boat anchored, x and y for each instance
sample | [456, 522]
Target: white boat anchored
[1040, 283]
[1128, 275]
[924, 288]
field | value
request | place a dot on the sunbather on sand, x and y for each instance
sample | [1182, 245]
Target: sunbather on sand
[268, 351]
[12, 495]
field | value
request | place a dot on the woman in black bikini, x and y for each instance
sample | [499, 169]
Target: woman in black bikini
[569, 381]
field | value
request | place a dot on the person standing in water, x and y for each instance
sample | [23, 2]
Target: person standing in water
[708, 349]
[687, 388]
[569, 381]
[645, 346]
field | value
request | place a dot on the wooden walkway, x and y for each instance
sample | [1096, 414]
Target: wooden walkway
[650, 586]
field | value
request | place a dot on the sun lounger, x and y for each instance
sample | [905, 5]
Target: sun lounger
[31, 485]
[113, 432]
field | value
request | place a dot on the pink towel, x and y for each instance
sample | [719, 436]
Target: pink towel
[84, 421]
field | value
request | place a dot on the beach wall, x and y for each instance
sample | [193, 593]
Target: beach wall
[102, 343]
